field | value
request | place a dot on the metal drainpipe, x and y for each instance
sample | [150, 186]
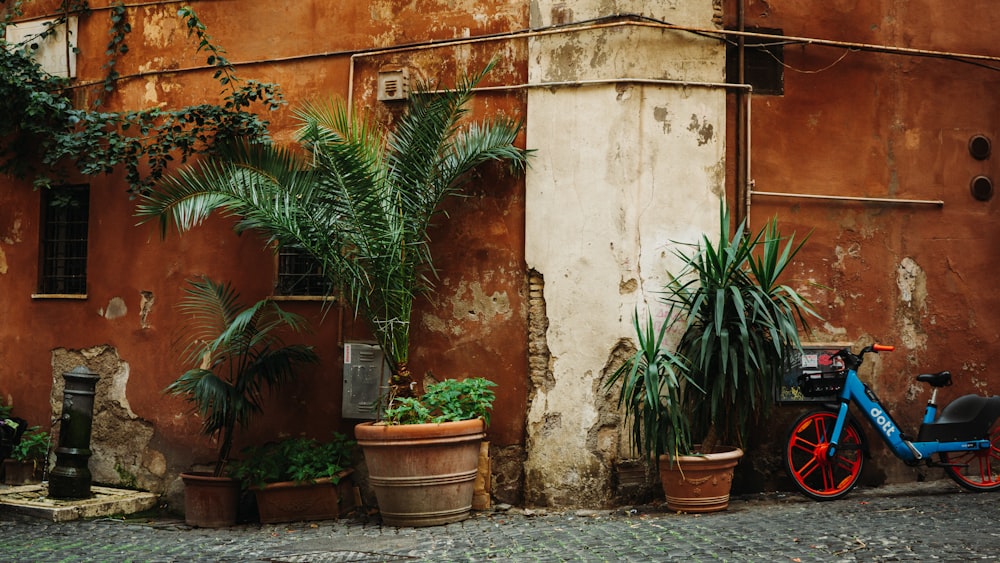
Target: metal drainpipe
[523, 35]
[742, 183]
[526, 34]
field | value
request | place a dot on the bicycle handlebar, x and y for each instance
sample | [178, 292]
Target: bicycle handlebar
[852, 361]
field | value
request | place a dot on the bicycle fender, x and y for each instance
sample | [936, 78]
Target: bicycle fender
[968, 417]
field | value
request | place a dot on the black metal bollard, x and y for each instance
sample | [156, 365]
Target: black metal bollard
[70, 479]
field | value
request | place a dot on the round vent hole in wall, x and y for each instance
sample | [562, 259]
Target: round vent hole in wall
[982, 188]
[980, 147]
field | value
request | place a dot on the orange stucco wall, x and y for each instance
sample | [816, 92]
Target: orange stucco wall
[884, 125]
[850, 123]
[474, 325]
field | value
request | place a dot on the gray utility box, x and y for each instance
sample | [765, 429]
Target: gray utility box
[366, 380]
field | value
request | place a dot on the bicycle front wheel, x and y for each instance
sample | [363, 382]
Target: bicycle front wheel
[977, 471]
[817, 474]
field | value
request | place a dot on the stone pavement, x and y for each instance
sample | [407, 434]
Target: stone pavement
[914, 522]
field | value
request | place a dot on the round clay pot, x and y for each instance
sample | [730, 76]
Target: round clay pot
[423, 474]
[699, 483]
[210, 502]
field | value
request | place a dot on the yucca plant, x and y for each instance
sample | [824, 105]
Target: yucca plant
[737, 323]
[651, 384]
[237, 353]
[359, 197]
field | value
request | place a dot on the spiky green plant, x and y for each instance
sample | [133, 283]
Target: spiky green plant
[739, 323]
[237, 354]
[359, 198]
[651, 392]
[736, 322]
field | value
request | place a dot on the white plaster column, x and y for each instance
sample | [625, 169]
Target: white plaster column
[622, 169]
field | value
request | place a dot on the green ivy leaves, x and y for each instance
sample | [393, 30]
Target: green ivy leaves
[43, 136]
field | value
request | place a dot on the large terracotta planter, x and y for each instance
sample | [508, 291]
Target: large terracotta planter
[699, 483]
[210, 502]
[423, 474]
[289, 501]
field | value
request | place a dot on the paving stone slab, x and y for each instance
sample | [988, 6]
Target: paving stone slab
[33, 500]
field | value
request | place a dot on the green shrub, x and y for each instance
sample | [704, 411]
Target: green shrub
[295, 459]
[449, 400]
[34, 446]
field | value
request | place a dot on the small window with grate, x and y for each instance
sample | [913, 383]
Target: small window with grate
[763, 63]
[300, 275]
[64, 224]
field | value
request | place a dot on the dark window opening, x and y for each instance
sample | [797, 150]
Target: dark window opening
[299, 274]
[65, 214]
[763, 63]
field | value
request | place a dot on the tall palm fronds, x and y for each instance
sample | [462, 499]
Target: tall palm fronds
[359, 200]
[237, 354]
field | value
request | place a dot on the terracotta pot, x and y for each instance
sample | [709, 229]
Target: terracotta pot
[21, 472]
[423, 474]
[210, 502]
[289, 501]
[699, 483]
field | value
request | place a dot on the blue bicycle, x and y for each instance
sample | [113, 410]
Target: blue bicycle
[826, 449]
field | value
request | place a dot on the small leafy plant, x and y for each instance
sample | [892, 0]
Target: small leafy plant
[449, 400]
[296, 459]
[34, 446]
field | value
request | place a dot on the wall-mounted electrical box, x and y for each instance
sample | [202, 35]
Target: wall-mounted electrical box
[393, 85]
[52, 46]
[366, 380]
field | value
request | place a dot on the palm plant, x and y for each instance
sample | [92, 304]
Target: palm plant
[359, 198]
[237, 353]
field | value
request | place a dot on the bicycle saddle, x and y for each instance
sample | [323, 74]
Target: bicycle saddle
[939, 379]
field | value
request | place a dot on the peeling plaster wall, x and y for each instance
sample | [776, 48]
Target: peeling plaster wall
[475, 323]
[622, 170]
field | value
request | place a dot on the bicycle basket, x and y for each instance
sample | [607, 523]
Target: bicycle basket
[822, 383]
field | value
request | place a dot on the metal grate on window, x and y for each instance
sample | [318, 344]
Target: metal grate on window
[65, 213]
[299, 274]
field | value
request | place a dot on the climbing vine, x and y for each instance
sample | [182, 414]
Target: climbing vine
[43, 136]
[120, 28]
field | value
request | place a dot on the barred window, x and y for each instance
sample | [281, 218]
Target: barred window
[299, 274]
[63, 254]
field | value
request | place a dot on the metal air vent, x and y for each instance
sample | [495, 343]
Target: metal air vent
[393, 85]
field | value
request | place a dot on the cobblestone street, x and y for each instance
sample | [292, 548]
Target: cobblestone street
[918, 522]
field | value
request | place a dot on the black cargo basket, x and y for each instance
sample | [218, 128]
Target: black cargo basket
[822, 383]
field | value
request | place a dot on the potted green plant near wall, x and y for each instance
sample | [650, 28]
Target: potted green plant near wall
[359, 198]
[27, 458]
[423, 457]
[298, 479]
[237, 354]
[736, 322]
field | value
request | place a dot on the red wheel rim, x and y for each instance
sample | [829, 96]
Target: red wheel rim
[809, 462]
